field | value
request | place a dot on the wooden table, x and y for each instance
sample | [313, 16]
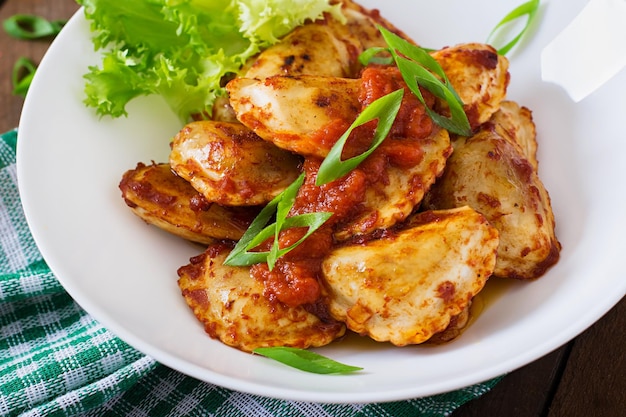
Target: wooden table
[586, 377]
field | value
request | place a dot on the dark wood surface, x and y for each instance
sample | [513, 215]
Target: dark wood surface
[586, 377]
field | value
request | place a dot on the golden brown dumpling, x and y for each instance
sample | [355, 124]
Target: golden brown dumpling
[408, 285]
[391, 201]
[304, 114]
[163, 199]
[491, 174]
[230, 165]
[479, 75]
[232, 307]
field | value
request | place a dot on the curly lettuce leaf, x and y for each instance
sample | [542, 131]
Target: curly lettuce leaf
[181, 49]
[266, 21]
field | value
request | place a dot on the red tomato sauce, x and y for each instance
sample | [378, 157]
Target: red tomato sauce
[295, 279]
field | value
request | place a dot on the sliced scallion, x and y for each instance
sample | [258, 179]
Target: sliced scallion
[306, 360]
[257, 233]
[419, 68]
[26, 26]
[528, 9]
[23, 73]
[385, 110]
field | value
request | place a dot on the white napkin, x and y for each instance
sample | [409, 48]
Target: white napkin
[589, 51]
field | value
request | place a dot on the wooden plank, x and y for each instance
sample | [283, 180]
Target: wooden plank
[12, 49]
[525, 392]
[585, 378]
[594, 380]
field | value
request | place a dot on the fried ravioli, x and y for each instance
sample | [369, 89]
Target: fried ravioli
[233, 308]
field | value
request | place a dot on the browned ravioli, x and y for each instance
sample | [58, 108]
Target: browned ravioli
[161, 198]
[409, 285]
[232, 307]
[495, 172]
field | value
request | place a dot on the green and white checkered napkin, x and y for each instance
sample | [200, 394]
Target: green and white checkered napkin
[55, 360]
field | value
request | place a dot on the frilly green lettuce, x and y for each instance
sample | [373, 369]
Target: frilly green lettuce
[182, 49]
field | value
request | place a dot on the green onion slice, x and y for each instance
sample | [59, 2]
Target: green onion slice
[529, 9]
[385, 110]
[23, 73]
[419, 68]
[306, 360]
[372, 56]
[258, 232]
[25, 26]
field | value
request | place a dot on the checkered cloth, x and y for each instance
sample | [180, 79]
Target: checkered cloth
[56, 360]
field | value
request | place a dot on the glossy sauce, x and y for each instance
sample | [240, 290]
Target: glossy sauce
[295, 280]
